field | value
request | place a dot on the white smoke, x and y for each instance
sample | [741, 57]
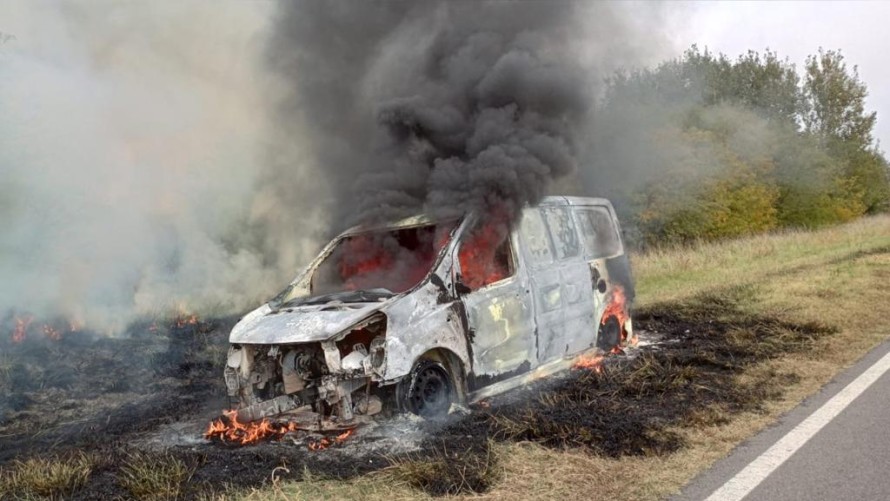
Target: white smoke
[132, 135]
[158, 155]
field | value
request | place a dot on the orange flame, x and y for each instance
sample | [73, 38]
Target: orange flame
[21, 328]
[617, 308]
[325, 442]
[51, 332]
[365, 259]
[590, 362]
[364, 255]
[229, 429]
[184, 320]
[479, 265]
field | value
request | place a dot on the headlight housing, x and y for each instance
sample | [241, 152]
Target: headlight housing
[362, 335]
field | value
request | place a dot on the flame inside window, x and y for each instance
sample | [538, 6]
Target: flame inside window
[395, 259]
[485, 256]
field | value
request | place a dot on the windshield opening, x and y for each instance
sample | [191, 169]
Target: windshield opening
[395, 259]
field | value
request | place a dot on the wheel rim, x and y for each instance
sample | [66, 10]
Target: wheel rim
[431, 392]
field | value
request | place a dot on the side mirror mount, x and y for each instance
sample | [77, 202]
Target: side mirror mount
[460, 287]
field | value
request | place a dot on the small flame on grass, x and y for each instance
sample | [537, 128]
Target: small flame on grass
[590, 362]
[185, 320]
[229, 429]
[325, 442]
[21, 328]
[51, 332]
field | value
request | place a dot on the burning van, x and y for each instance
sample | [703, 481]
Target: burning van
[419, 314]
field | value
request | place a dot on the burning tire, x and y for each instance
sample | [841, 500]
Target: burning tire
[609, 334]
[428, 391]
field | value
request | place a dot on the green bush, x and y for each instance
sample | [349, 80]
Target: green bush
[712, 148]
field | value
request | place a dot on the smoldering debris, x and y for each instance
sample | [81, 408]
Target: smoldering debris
[85, 386]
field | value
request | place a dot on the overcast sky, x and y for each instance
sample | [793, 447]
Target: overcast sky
[793, 29]
[796, 30]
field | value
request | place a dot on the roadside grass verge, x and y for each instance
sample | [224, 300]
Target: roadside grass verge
[676, 272]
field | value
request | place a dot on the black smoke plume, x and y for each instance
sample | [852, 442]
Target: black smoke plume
[442, 107]
[150, 163]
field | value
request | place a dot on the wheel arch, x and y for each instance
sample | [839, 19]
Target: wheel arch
[453, 364]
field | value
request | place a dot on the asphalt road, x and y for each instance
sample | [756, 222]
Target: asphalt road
[846, 459]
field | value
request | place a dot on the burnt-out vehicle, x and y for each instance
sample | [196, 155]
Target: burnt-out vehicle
[419, 314]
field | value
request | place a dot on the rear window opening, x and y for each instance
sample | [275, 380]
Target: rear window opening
[598, 232]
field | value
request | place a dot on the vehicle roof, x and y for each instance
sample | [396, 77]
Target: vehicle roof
[416, 220]
[566, 200]
[424, 219]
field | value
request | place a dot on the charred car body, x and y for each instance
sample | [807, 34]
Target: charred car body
[422, 313]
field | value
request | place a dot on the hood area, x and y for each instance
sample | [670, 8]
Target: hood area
[300, 324]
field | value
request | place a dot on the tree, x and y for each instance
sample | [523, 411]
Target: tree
[709, 147]
[766, 84]
[836, 101]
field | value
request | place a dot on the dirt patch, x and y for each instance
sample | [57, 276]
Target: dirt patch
[114, 397]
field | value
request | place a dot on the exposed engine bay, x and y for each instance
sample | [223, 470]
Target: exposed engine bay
[337, 378]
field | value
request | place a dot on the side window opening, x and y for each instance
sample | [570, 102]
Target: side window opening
[536, 238]
[486, 257]
[598, 232]
[562, 232]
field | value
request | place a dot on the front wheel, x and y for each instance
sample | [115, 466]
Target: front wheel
[428, 390]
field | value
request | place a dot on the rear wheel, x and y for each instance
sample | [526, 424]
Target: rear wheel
[609, 334]
[428, 390]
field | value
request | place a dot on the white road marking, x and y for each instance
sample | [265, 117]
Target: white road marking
[752, 475]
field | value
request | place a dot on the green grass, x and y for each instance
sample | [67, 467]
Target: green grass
[676, 272]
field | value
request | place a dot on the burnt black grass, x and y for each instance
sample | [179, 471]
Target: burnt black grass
[692, 378]
[633, 408]
[444, 469]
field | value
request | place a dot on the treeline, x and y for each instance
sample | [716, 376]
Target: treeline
[708, 147]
